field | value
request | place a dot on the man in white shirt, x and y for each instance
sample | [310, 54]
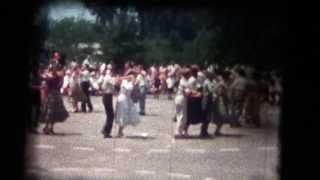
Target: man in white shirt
[108, 86]
[141, 78]
[85, 85]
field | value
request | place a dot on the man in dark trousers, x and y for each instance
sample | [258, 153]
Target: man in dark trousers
[108, 87]
[85, 85]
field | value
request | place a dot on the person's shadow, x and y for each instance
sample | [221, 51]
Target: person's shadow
[139, 137]
[190, 137]
[231, 135]
[65, 134]
[151, 115]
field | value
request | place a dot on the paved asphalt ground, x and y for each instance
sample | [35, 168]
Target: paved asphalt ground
[148, 151]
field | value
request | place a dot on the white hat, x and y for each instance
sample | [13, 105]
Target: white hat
[109, 66]
[86, 61]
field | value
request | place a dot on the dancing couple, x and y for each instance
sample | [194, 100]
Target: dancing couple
[126, 112]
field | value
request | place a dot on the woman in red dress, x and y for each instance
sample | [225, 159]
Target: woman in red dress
[55, 109]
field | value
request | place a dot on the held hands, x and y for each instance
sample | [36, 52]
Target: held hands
[196, 94]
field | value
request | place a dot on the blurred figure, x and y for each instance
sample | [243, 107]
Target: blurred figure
[85, 85]
[76, 92]
[156, 87]
[108, 86]
[35, 95]
[221, 111]
[195, 112]
[56, 111]
[66, 83]
[238, 90]
[126, 111]
[252, 102]
[142, 83]
[170, 84]
[209, 95]
[181, 104]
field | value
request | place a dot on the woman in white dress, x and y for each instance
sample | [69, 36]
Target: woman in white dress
[181, 105]
[126, 110]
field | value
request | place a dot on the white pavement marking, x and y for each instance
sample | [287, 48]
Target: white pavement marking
[141, 134]
[104, 170]
[267, 148]
[230, 149]
[208, 178]
[67, 169]
[195, 150]
[145, 172]
[121, 150]
[45, 146]
[94, 136]
[178, 175]
[84, 148]
[158, 151]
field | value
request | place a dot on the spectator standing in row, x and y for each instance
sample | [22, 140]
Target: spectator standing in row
[142, 83]
[170, 84]
[85, 85]
[76, 92]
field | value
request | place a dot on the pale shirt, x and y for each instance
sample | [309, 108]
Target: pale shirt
[108, 84]
[192, 83]
[170, 82]
[180, 97]
[210, 87]
[66, 81]
[201, 78]
[85, 75]
[100, 79]
[183, 86]
[94, 83]
[141, 80]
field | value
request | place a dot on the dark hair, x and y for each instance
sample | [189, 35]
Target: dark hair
[256, 76]
[241, 72]
[226, 75]
[194, 70]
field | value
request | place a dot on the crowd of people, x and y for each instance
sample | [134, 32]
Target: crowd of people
[201, 94]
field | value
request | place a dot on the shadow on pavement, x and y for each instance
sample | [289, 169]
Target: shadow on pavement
[151, 115]
[66, 134]
[211, 136]
[139, 137]
[231, 135]
[194, 137]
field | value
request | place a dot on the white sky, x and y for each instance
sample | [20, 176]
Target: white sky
[62, 10]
